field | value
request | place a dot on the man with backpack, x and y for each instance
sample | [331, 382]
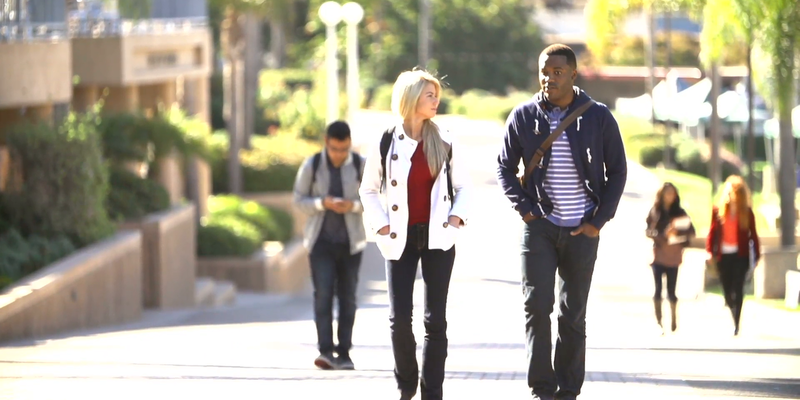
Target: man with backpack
[326, 189]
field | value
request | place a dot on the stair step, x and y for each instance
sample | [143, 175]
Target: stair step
[204, 292]
[224, 293]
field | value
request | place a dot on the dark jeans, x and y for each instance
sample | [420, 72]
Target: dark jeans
[334, 270]
[437, 266]
[672, 280]
[732, 272]
[547, 248]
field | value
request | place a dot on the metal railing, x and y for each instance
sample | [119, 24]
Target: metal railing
[136, 17]
[27, 20]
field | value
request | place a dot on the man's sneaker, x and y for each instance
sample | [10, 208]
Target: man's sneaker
[324, 361]
[344, 362]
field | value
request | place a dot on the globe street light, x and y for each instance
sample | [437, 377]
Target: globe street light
[330, 13]
[352, 14]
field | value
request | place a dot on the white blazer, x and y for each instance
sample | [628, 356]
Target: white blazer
[379, 207]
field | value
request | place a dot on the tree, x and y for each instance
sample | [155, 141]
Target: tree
[232, 45]
[474, 44]
[771, 28]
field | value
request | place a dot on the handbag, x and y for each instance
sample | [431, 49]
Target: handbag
[562, 126]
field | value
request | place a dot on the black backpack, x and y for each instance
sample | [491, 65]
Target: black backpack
[386, 143]
[318, 158]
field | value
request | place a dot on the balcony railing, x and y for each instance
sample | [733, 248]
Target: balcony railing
[134, 17]
[26, 20]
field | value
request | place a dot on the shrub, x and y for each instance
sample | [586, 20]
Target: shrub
[227, 236]
[65, 182]
[271, 165]
[273, 224]
[382, 97]
[20, 257]
[132, 197]
[125, 137]
[650, 156]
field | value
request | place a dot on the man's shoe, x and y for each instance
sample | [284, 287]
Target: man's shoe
[542, 397]
[344, 362]
[325, 361]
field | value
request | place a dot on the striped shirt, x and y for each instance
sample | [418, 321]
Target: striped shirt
[562, 183]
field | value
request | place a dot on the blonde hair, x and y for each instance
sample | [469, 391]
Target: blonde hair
[405, 96]
[735, 191]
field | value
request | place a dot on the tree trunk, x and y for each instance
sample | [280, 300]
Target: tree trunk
[252, 67]
[424, 32]
[277, 43]
[232, 47]
[787, 174]
[714, 167]
[751, 137]
[668, 124]
[650, 59]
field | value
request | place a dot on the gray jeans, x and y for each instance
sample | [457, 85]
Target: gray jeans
[547, 249]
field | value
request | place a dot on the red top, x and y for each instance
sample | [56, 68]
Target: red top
[715, 233]
[420, 184]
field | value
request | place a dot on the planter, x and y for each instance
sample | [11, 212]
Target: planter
[769, 277]
[276, 268]
[96, 286]
[168, 257]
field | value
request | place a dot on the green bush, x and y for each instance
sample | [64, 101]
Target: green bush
[227, 236]
[650, 156]
[20, 257]
[65, 182]
[132, 197]
[271, 165]
[303, 115]
[134, 137]
[382, 97]
[273, 224]
[125, 137]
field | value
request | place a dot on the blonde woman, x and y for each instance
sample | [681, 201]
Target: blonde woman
[415, 195]
[731, 239]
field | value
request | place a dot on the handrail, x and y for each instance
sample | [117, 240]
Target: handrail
[105, 27]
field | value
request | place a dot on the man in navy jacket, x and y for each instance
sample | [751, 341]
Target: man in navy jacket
[566, 200]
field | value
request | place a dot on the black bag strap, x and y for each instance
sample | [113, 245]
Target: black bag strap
[537, 157]
[386, 143]
[318, 158]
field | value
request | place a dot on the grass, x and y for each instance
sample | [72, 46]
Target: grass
[697, 199]
[779, 304]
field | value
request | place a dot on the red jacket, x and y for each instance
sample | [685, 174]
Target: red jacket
[714, 237]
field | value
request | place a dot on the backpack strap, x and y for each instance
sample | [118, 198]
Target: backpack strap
[447, 171]
[357, 165]
[386, 143]
[314, 167]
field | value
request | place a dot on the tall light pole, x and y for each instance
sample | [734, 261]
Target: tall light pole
[352, 14]
[330, 13]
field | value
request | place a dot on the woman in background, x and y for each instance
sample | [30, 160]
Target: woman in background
[671, 229]
[731, 240]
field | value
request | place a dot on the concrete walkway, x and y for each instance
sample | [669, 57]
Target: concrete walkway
[263, 347]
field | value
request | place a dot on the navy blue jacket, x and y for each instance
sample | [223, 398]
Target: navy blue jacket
[596, 148]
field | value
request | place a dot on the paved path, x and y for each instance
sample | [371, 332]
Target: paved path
[262, 348]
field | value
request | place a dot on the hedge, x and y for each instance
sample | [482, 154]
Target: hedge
[273, 224]
[65, 184]
[227, 236]
[20, 256]
[132, 197]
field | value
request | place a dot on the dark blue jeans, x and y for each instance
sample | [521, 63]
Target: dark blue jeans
[334, 271]
[547, 249]
[437, 266]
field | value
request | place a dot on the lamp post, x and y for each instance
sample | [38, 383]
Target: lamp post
[352, 14]
[330, 13]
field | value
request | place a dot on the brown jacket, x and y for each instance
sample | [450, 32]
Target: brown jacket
[665, 253]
